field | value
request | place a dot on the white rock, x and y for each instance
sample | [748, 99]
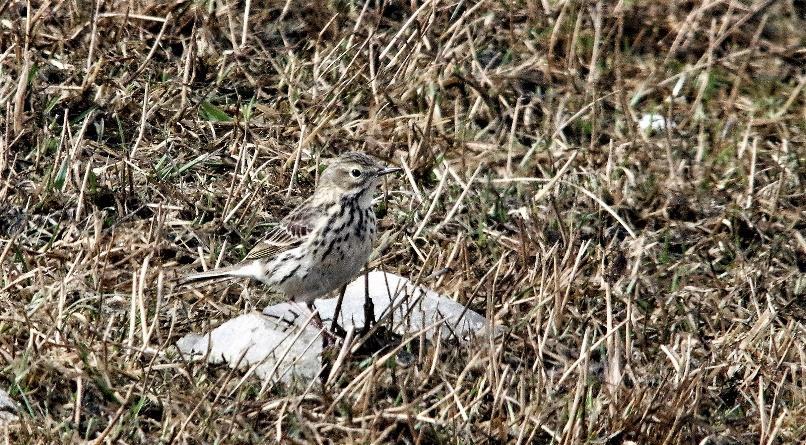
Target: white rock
[415, 308]
[280, 345]
[278, 351]
[651, 122]
[8, 408]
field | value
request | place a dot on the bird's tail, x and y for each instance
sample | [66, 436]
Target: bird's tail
[234, 271]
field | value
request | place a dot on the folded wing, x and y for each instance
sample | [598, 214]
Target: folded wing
[289, 233]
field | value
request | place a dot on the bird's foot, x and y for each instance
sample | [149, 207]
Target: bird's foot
[329, 336]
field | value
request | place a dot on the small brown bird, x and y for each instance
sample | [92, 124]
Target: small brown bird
[321, 245]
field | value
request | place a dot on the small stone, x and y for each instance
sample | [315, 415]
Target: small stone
[282, 345]
[278, 350]
[651, 122]
[414, 308]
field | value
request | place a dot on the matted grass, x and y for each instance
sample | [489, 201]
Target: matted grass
[651, 282]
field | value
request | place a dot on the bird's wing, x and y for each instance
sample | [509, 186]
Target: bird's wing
[289, 233]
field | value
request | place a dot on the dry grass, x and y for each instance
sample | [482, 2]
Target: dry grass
[652, 283]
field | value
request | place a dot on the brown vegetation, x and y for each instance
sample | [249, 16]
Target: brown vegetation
[651, 282]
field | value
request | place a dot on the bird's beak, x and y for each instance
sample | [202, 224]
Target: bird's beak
[387, 170]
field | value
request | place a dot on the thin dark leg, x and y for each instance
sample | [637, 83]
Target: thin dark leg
[334, 326]
[369, 307]
[328, 337]
[316, 320]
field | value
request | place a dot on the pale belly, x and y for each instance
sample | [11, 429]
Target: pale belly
[344, 266]
[311, 277]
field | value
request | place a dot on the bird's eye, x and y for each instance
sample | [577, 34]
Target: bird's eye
[355, 173]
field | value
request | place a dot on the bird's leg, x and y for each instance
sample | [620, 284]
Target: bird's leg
[369, 307]
[317, 322]
[334, 326]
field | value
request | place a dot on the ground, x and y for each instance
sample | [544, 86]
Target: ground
[618, 184]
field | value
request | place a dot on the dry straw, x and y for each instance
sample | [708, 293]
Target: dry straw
[651, 281]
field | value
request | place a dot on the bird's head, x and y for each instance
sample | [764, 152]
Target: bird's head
[353, 173]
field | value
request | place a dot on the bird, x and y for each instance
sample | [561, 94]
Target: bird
[323, 243]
